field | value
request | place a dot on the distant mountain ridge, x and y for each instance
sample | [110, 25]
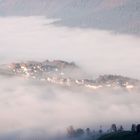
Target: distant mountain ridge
[120, 16]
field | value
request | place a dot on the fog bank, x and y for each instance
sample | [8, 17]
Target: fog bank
[34, 106]
[98, 52]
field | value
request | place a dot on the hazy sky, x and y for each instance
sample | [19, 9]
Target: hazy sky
[25, 104]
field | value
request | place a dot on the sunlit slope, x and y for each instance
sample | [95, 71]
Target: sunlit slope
[69, 75]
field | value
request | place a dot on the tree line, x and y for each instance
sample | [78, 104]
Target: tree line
[87, 132]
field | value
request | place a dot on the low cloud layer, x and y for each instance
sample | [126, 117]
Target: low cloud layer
[33, 108]
[29, 105]
[98, 52]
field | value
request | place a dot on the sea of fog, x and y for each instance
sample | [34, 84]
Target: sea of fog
[30, 108]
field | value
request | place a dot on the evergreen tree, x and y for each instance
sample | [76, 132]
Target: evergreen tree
[120, 129]
[133, 128]
[114, 128]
